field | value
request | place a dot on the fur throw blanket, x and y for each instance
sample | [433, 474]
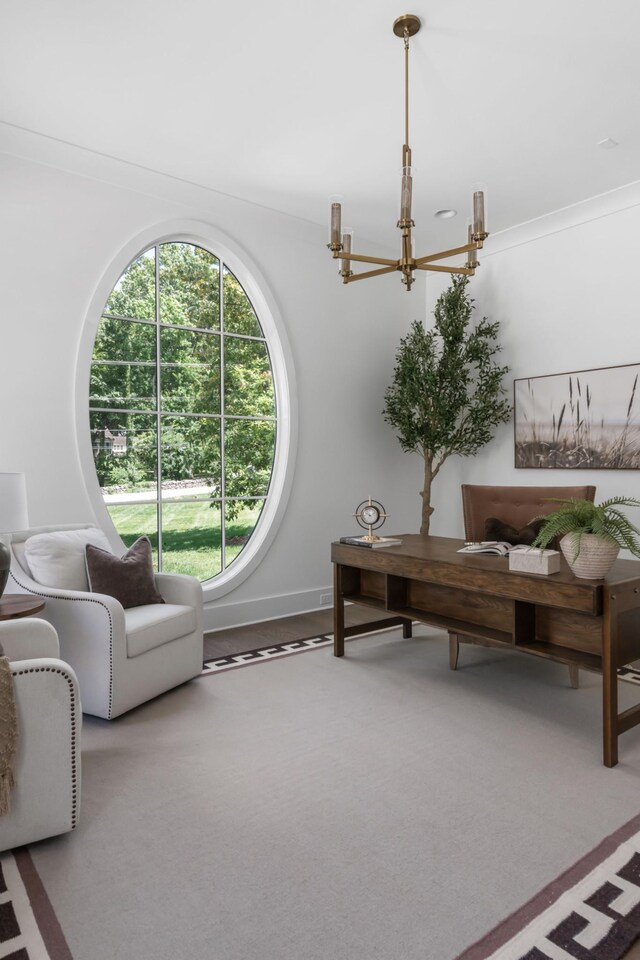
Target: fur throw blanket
[8, 733]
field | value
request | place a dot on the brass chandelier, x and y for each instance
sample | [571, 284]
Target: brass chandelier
[340, 243]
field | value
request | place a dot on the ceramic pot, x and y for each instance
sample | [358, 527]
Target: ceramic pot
[5, 563]
[596, 555]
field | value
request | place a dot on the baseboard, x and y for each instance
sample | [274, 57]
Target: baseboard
[223, 616]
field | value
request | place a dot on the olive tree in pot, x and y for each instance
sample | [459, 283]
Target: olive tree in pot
[592, 534]
[447, 396]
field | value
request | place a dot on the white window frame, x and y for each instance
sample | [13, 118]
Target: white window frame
[244, 269]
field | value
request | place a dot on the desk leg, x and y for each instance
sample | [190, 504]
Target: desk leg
[338, 612]
[609, 680]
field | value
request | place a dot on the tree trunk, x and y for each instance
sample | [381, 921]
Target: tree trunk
[427, 509]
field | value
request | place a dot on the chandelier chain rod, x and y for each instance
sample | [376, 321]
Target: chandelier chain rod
[406, 87]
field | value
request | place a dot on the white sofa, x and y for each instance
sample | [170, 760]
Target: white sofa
[45, 800]
[122, 658]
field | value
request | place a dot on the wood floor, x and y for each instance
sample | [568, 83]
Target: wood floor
[224, 643]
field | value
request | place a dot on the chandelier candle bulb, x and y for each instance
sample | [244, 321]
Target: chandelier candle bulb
[478, 214]
[336, 225]
[405, 196]
[346, 247]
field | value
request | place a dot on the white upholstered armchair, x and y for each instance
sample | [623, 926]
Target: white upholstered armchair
[122, 657]
[45, 800]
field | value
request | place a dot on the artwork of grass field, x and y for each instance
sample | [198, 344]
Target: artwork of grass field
[584, 420]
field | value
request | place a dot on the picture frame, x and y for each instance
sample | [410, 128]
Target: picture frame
[583, 420]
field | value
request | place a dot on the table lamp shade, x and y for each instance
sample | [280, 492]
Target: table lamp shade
[13, 516]
[13, 502]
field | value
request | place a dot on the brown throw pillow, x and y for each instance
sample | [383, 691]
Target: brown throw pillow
[495, 529]
[129, 579]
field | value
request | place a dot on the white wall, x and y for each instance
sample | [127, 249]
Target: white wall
[66, 215]
[564, 289]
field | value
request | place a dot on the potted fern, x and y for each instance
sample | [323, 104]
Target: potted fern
[592, 534]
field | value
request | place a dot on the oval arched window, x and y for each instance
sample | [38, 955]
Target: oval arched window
[183, 413]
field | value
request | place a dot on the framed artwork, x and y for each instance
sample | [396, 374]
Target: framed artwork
[585, 420]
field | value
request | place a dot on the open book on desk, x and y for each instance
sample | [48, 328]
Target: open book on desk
[497, 547]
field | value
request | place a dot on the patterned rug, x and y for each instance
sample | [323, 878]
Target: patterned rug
[29, 929]
[262, 654]
[591, 912]
[218, 664]
[630, 673]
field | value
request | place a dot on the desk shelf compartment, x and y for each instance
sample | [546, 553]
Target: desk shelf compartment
[363, 586]
[561, 635]
[470, 614]
[369, 589]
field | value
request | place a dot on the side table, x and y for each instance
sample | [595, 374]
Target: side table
[15, 605]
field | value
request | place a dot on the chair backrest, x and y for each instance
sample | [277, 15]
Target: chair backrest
[20, 537]
[513, 505]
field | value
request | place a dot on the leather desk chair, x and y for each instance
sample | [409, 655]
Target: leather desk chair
[515, 506]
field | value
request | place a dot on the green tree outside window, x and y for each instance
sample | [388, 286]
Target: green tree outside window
[182, 408]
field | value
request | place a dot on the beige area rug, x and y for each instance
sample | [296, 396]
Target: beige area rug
[377, 806]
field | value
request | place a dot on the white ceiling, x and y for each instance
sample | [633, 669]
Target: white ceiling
[288, 103]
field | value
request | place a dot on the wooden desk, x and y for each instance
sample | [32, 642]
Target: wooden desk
[15, 605]
[594, 624]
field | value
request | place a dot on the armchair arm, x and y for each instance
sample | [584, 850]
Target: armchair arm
[92, 634]
[28, 639]
[46, 798]
[97, 617]
[179, 588]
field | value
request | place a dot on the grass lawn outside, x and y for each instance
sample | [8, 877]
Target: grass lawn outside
[191, 534]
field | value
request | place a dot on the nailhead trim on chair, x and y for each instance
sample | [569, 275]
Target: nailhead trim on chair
[74, 735]
[52, 596]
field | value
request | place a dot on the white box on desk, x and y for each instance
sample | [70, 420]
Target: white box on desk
[535, 560]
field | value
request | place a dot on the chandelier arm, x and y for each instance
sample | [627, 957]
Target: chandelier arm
[371, 273]
[449, 253]
[466, 271]
[362, 259]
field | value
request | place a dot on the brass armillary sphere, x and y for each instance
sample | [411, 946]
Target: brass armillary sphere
[407, 26]
[370, 514]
